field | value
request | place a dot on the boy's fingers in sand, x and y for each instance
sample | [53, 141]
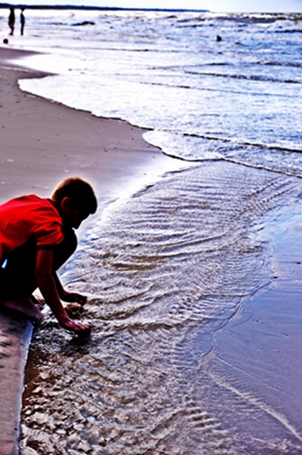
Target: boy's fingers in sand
[79, 298]
[78, 327]
[74, 297]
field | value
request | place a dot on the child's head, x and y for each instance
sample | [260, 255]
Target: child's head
[76, 199]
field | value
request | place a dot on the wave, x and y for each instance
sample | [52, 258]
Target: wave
[283, 64]
[246, 77]
[241, 152]
[289, 31]
[245, 143]
[259, 18]
[235, 161]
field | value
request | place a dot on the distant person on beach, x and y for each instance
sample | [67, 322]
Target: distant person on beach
[11, 21]
[36, 237]
[22, 21]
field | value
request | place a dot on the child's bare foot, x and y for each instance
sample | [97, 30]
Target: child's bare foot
[25, 306]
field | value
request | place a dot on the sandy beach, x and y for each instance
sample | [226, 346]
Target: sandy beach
[41, 144]
[257, 355]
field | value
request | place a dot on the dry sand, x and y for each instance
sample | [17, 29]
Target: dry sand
[41, 143]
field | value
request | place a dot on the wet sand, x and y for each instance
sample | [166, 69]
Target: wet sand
[259, 353]
[42, 143]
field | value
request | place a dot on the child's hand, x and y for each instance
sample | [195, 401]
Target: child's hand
[73, 297]
[83, 330]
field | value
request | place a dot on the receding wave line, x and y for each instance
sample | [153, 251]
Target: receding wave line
[246, 143]
[238, 161]
[261, 166]
[232, 160]
[249, 78]
[299, 30]
[207, 89]
[287, 64]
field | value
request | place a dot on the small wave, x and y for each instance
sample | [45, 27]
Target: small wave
[236, 161]
[259, 18]
[83, 23]
[245, 77]
[58, 24]
[284, 64]
[299, 30]
[245, 143]
[270, 18]
[247, 162]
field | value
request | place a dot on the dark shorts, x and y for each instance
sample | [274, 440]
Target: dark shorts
[17, 274]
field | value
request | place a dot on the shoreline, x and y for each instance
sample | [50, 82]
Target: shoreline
[61, 134]
[44, 142]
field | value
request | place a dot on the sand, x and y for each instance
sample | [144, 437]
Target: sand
[43, 142]
[260, 351]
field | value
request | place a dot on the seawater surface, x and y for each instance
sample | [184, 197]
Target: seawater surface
[170, 268]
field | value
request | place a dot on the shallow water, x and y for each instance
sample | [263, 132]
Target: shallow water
[170, 269]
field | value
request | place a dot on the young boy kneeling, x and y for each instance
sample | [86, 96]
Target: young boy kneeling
[36, 237]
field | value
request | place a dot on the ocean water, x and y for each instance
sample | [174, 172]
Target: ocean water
[171, 267]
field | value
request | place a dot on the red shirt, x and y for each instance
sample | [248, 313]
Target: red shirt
[29, 217]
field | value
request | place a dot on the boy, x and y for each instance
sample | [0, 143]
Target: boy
[36, 238]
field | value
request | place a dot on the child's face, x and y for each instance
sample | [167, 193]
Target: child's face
[76, 216]
[71, 215]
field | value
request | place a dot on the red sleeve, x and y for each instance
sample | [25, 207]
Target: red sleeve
[49, 234]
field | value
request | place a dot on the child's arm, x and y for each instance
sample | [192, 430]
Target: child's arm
[68, 296]
[47, 286]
